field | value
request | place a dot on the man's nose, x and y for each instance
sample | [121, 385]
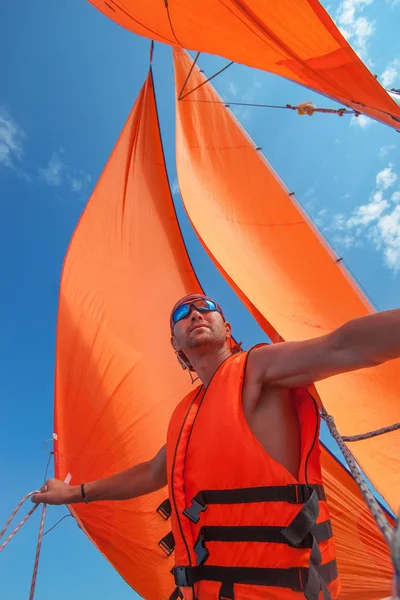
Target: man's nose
[195, 314]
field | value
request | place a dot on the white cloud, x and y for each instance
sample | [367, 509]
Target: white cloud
[395, 197]
[385, 150]
[391, 74]
[392, 3]
[386, 178]
[344, 240]
[11, 139]
[377, 221]
[79, 181]
[361, 121]
[367, 213]
[356, 29]
[338, 221]
[58, 172]
[388, 229]
[53, 173]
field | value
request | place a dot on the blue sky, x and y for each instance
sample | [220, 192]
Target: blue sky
[69, 79]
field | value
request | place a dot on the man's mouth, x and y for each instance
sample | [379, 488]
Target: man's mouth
[197, 327]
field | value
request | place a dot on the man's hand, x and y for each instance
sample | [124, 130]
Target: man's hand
[139, 480]
[57, 492]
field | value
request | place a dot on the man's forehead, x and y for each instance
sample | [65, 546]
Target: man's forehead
[189, 298]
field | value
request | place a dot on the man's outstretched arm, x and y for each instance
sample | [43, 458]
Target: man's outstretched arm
[363, 342]
[136, 481]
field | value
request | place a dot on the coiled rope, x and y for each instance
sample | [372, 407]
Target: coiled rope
[18, 527]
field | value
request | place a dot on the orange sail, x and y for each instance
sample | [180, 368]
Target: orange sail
[364, 563]
[117, 378]
[296, 40]
[280, 266]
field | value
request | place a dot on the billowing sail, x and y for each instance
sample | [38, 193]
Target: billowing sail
[296, 40]
[117, 378]
[280, 266]
[364, 563]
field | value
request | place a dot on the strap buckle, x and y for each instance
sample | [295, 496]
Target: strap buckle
[198, 506]
[167, 543]
[164, 510]
[181, 578]
[302, 493]
[200, 548]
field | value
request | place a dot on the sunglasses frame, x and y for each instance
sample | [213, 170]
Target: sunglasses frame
[188, 306]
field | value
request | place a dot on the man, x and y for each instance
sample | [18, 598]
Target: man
[249, 513]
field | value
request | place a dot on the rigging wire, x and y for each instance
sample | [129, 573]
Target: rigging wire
[206, 81]
[57, 523]
[299, 108]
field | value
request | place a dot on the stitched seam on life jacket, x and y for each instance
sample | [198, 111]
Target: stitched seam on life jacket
[172, 476]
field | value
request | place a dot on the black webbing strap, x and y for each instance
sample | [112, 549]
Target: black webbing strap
[299, 530]
[176, 594]
[255, 533]
[167, 543]
[292, 578]
[226, 591]
[164, 510]
[294, 494]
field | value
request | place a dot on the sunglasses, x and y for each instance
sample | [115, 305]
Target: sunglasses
[184, 309]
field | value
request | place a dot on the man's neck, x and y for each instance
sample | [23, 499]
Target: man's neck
[206, 364]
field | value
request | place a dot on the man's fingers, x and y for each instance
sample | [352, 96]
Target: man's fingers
[37, 498]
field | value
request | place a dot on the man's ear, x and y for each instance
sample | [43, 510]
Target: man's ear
[174, 344]
[228, 329]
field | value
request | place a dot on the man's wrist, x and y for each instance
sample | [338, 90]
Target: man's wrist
[75, 495]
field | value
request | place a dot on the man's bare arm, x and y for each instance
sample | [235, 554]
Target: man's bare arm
[136, 481]
[363, 342]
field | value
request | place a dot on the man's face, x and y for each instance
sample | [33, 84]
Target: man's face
[200, 329]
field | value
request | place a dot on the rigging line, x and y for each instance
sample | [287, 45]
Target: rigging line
[370, 434]
[47, 466]
[207, 80]
[37, 555]
[18, 527]
[227, 104]
[358, 476]
[166, 4]
[189, 74]
[55, 525]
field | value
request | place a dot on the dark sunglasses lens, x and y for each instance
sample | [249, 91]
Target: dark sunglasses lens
[204, 305]
[180, 313]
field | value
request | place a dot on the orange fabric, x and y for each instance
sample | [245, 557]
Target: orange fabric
[295, 39]
[117, 379]
[118, 382]
[214, 449]
[363, 559]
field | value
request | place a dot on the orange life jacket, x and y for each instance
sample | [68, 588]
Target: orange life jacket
[243, 527]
